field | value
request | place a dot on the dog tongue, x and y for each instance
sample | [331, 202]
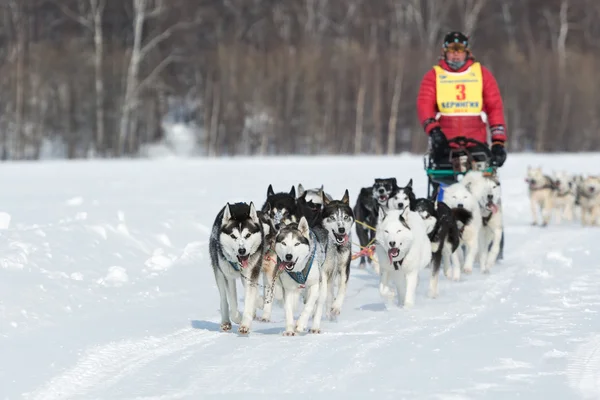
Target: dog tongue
[493, 207]
[393, 253]
[345, 239]
[286, 265]
[245, 262]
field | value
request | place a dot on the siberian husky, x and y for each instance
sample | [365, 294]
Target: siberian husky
[237, 248]
[444, 235]
[541, 193]
[403, 197]
[315, 195]
[590, 200]
[486, 190]
[336, 222]
[301, 255]
[403, 250]
[565, 193]
[460, 200]
[282, 207]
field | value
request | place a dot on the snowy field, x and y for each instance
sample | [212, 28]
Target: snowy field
[106, 293]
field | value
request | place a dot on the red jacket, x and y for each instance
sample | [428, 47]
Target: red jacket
[468, 126]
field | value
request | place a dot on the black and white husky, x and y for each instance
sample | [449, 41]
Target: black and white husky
[458, 197]
[403, 197]
[300, 257]
[444, 235]
[237, 248]
[282, 207]
[336, 222]
[383, 189]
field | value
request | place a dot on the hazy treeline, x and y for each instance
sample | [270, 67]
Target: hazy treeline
[283, 76]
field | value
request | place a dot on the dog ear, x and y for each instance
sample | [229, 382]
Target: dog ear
[270, 191]
[324, 199]
[300, 189]
[253, 214]
[394, 182]
[267, 208]
[226, 214]
[293, 192]
[303, 227]
[468, 186]
[346, 198]
[410, 183]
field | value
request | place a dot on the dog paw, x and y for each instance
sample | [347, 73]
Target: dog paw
[456, 276]
[408, 305]
[243, 330]
[467, 270]
[226, 326]
[335, 311]
[264, 319]
[237, 318]
[433, 294]
[300, 328]
[315, 330]
[289, 333]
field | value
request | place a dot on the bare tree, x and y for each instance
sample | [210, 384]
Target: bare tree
[91, 18]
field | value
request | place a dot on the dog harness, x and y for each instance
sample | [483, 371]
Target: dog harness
[548, 185]
[398, 264]
[235, 266]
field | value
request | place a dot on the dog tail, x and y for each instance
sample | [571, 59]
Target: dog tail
[462, 215]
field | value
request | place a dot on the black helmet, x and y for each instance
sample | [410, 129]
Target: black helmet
[456, 37]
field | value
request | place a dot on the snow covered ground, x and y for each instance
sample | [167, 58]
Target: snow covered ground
[106, 293]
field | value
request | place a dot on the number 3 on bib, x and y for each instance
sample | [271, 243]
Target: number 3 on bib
[461, 92]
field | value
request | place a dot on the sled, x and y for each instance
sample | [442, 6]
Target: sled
[461, 159]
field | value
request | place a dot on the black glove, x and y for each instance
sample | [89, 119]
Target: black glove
[498, 154]
[439, 143]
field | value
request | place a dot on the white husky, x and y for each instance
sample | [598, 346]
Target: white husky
[541, 194]
[403, 250]
[458, 195]
[565, 192]
[590, 200]
[486, 190]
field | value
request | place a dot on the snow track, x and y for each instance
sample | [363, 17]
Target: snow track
[75, 329]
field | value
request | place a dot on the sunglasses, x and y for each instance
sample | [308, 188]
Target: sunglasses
[455, 47]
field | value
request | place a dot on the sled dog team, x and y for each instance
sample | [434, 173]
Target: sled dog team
[561, 194]
[300, 243]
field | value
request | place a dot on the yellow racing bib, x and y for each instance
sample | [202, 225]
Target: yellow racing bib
[459, 93]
